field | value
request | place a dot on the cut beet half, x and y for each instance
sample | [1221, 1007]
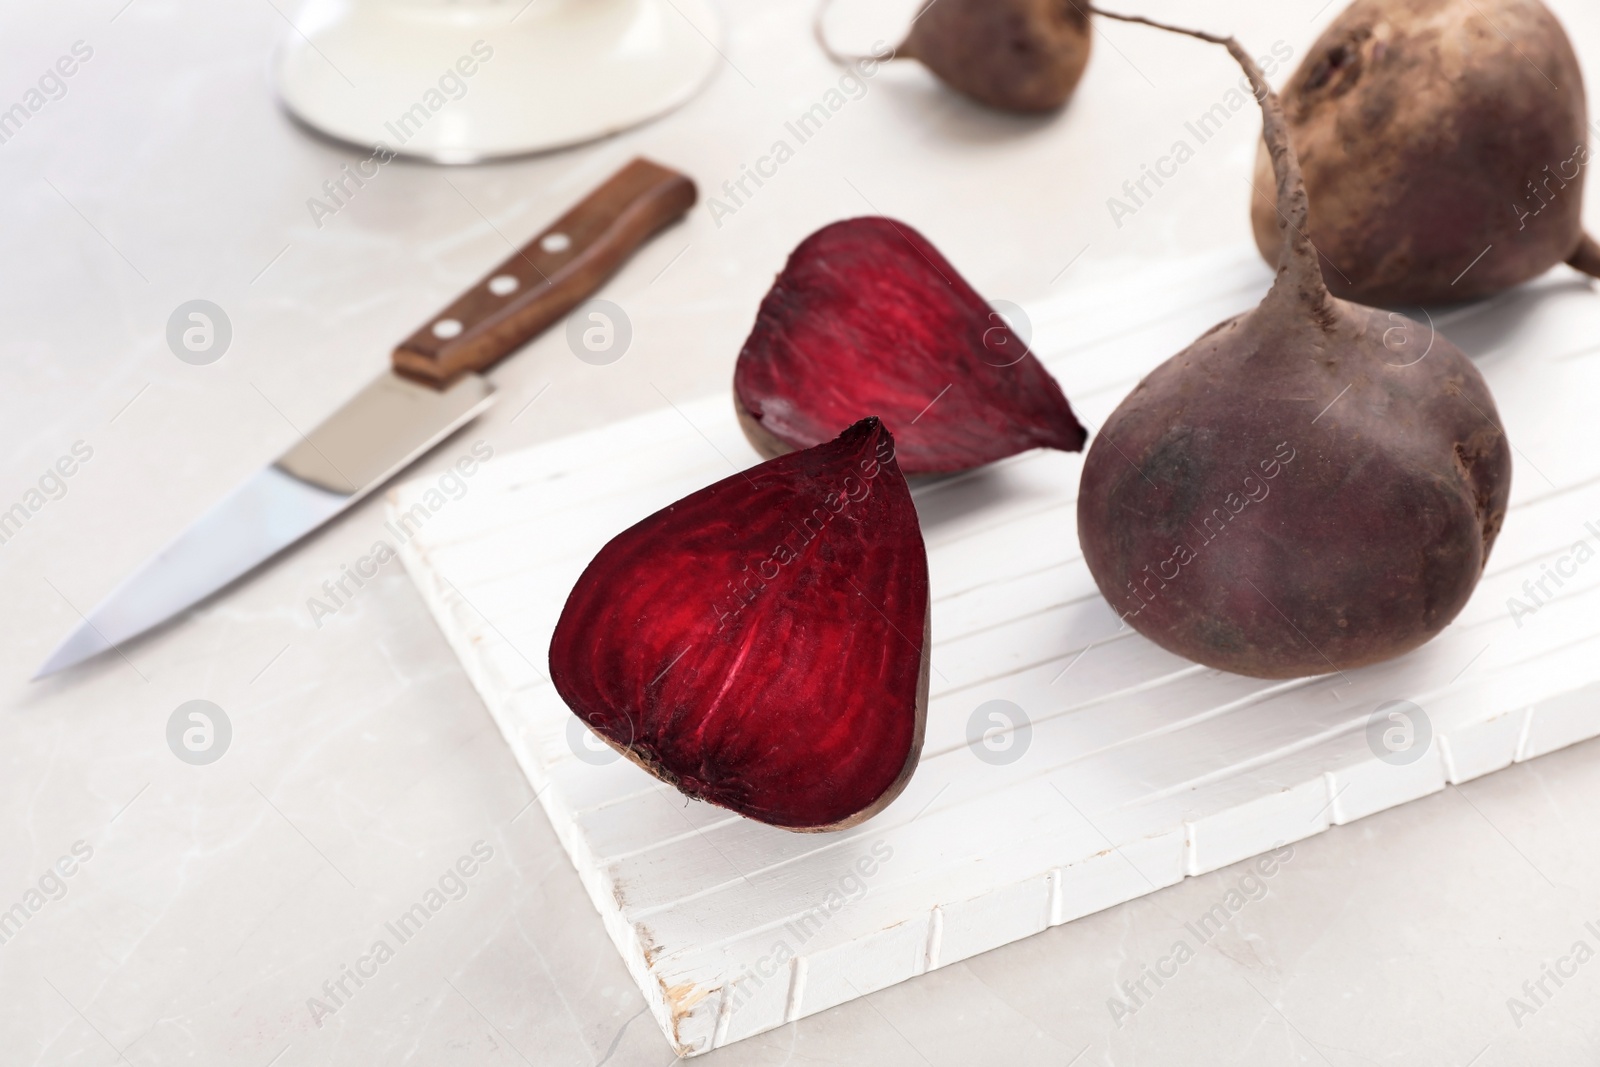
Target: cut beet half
[868, 318]
[763, 643]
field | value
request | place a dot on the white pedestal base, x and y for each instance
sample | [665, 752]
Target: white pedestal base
[481, 79]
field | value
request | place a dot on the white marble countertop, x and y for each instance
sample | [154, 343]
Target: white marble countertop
[207, 904]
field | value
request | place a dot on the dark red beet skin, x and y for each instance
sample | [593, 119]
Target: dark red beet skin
[868, 318]
[1312, 486]
[762, 644]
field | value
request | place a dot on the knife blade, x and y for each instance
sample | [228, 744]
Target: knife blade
[432, 388]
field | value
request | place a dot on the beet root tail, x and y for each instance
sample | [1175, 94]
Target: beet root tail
[1587, 257]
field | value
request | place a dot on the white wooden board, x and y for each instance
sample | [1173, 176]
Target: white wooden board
[1136, 768]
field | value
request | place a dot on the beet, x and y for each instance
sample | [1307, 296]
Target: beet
[1291, 495]
[763, 643]
[1015, 55]
[868, 318]
[1443, 144]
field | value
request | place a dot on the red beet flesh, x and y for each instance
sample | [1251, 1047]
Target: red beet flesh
[868, 318]
[762, 644]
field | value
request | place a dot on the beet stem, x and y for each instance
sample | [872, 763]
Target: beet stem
[1299, 265]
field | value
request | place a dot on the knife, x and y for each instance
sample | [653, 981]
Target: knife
[432, 389]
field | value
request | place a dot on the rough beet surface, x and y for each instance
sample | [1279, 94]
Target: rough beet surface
[868, 318]
[1229, 527]
[1444, 147]
[763, 643]
[1309, 487]
[1015, 55]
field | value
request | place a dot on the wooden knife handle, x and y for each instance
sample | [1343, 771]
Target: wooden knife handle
[548, 276]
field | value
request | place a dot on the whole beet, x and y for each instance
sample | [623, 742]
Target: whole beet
[1024, 56]
[1310, 487]
[1443, 144]
[1015, 55]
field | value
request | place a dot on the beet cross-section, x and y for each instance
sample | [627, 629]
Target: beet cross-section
[763, 643]
[868, 318]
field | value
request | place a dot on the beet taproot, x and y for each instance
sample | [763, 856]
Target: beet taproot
[868, 318]
[1443, 145]
[1311, 486]
[1024, 56]
[763, 643]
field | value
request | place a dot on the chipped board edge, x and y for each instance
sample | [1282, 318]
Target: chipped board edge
[665, 1004]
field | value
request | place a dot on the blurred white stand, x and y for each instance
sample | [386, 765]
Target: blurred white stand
[545, 73]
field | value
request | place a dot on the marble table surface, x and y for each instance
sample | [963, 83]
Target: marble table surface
[200, 913]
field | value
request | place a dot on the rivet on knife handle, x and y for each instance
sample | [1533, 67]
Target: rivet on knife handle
[548, 276]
